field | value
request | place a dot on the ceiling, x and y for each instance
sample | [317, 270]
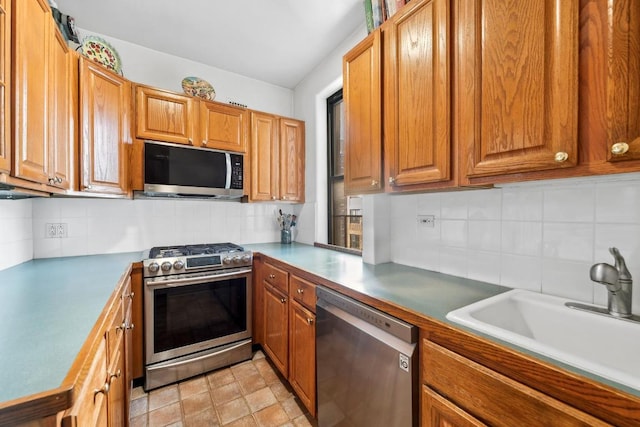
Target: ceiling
[275, 41]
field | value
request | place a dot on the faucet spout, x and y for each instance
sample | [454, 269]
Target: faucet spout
[618, 282]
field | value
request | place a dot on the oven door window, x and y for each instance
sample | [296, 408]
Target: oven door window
[197, 313]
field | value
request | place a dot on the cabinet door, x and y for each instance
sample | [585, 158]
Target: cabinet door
[165, 116]
[363, 117]
[623, 31]
[223, 127]
[439, 412]
[32, 35]
[417, 95]
[276, 331]
[61, 134]
[292, 160]
[302, 352]
[104, 116]
[5, 85]
[116, 397]
[264, 157]
[517, 85]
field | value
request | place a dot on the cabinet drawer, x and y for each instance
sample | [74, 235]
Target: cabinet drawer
[303, 291]
[491, 397]
[276, 277]
[90, 406]
[116, 328]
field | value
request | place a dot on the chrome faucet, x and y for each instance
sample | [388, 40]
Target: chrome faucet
[618, 282]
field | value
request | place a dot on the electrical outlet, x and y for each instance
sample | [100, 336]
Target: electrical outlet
[426, 221]
[55, 230]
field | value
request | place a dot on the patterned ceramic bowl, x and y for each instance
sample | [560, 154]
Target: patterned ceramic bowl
[195, 86]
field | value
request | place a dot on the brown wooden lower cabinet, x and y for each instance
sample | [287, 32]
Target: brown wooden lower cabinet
[285, 304]
[101, 377]
[461, 392]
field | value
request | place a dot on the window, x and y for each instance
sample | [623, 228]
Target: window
[345, 212]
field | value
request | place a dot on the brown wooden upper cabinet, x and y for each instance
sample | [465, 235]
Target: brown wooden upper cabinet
[43, 84]
[417, 85]
[362, 94]
[162, 115]
[105, 114]
[517, 72]
[223, 127]
[5, 85]
[277, 158]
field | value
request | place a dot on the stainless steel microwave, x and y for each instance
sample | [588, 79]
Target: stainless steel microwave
[171, 170]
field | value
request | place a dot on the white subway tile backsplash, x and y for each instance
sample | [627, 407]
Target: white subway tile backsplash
[454, 205]
[522, 272]
[453, 232]
[485, 204]
[522, 204]
[568, 279]
[571, 204]
[568, 241]
[454, 261]
[522, 238]
[484, 235]
[618, 202]
[484, 266]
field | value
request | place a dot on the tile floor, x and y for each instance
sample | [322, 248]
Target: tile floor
[248, 394]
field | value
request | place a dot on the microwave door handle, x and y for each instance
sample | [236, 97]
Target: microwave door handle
[227, 184]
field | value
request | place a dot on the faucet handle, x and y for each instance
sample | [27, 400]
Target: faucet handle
[621, 266]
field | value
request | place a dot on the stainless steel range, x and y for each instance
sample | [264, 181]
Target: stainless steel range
[197, 302]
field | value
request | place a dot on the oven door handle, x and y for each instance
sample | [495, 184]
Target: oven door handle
[205, 356]
[151, 283]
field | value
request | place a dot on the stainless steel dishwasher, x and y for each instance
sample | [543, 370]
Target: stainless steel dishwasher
[367, 365]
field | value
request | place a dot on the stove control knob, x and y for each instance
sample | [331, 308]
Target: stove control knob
[166, 266]
[178, 265]
[246, 258]
[236, 259]
[227, 260]
[154, 267]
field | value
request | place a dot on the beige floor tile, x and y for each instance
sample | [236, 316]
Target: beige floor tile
[244, 370]
[252, 383]
[197, 403]
[303, 421]
[260, 399]
[280, 391]
[163, 397]
[166, 415]
[226, 393]
[233, 410]
[267, 371]
[193, 386]
[292, 407]
[137, 393]
[206, 418]
[271, 416]
[247, 421]
[139, 406]
[139, 421]
[220, 377]
[258, 355]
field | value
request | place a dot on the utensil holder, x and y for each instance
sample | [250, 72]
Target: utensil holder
[285, 237]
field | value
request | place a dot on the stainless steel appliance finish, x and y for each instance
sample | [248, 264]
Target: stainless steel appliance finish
[197, 301]
[367, 365]
[179, 171]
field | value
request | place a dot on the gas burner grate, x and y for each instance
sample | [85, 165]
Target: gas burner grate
[196, 249]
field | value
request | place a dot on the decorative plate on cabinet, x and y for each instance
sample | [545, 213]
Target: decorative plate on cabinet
[101, 52]
[195, 86]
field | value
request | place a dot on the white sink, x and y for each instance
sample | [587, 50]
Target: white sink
[599, 344]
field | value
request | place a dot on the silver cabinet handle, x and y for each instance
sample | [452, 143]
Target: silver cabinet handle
[116, 375]
[204, 142]
[104, 390]
[309, 321]
[392, 180]
[272, 276]
[374, 182]
[283, 300]
[300, 291]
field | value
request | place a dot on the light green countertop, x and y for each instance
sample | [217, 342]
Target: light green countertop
[426, 292]
[47, 309]
[48, 306]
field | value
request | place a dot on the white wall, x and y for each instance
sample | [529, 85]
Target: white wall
[16, 237]
[310, 100]
[539, 236]
[153, 68]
